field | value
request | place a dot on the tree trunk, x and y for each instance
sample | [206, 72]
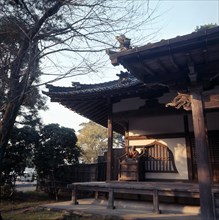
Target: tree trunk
[6, 126]
[19, 83]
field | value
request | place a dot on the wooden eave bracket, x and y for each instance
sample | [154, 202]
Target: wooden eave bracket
[181, 100]
[192, 74]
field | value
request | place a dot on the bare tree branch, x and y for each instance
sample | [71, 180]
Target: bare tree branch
[34, 31]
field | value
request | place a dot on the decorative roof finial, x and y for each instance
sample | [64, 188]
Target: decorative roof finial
[124, 42]
[76, 85]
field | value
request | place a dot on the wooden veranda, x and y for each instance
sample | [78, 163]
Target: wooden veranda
[156, 190]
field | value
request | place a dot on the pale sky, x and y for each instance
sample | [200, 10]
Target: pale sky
[177, 17]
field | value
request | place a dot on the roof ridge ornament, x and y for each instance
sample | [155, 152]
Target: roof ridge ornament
[76, 85]
[124, 77]
[124, 42]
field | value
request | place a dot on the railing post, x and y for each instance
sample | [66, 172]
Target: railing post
[74, 195]
[111, 200]
[156, 201]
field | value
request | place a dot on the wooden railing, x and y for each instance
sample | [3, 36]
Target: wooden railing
[159, 158]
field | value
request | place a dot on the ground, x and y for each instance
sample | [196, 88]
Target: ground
[28, 204]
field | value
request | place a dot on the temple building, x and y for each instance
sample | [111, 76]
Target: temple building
[166, 105]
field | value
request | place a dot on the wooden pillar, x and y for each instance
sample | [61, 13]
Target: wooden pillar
[126, 138]
[110, 143]
[203, 167]
[188, 147]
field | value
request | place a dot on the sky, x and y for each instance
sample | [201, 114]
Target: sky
[176, 18]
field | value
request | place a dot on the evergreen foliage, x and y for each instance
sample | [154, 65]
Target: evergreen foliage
[57, 146]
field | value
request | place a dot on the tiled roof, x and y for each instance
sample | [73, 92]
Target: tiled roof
[91, 100]
[154, 69]
[175, 62]
[124, 82]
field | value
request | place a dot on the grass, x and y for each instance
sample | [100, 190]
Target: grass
[33, 215]
[24, 206]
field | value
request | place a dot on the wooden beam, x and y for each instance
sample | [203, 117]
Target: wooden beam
[173, 62]
[110, 142]
[156, 136]
[201, 146]
[211, 101]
